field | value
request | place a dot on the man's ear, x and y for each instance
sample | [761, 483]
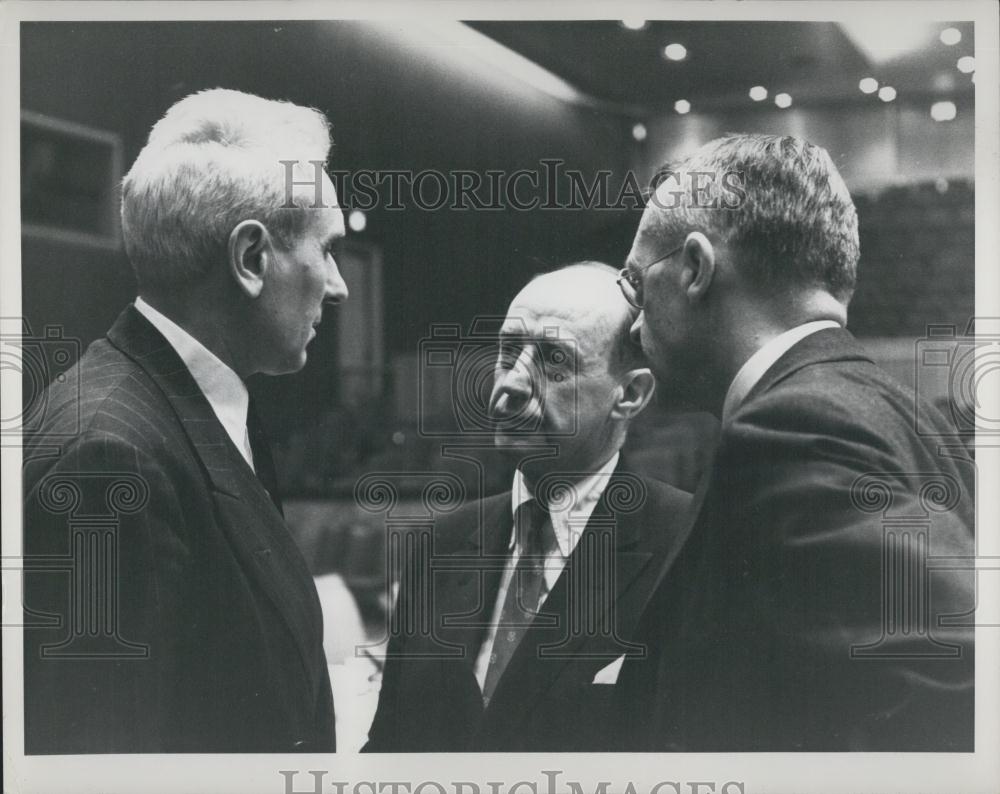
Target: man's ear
[698, 266]
[637, 387]
[249, 255]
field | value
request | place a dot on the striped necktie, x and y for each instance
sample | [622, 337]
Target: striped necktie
[535, 539]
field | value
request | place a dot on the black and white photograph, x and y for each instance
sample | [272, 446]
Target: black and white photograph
[484, 398]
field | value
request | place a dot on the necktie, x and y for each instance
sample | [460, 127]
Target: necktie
[535, 539]
[262, 460]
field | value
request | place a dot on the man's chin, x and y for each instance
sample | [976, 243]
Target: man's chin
[288, 366]
[514, 441]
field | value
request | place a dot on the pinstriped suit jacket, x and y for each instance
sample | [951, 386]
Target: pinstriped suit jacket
[168, 608]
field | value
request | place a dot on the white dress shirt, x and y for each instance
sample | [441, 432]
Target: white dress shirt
[753, 368]
[568, 523]
[223, 388]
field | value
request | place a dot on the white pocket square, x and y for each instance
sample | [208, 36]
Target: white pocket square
[609, 674]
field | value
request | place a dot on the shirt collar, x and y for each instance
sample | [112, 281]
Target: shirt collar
[223, 388]
[568, 520]
[760, 362]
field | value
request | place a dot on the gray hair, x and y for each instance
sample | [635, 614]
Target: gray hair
[778, 200]
[211, 162]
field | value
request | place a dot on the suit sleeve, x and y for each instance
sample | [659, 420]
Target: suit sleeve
[105, 557]
[383, 735]
[834, 523]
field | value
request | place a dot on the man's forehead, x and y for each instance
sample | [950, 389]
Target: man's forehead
[634, 260]
[327, 223]
[526, 321]
[587, 321]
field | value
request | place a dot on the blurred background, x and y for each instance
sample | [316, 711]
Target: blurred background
[610, 100]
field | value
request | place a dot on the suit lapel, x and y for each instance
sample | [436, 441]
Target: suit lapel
[585, 596]
[466, 581]
[255, 529]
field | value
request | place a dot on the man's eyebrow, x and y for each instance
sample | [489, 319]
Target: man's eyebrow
[551, 343]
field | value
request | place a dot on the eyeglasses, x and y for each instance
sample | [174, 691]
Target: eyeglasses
[630, 283]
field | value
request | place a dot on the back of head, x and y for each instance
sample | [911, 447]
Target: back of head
[212, 161]
[777, 201]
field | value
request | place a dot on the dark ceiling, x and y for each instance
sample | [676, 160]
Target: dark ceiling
[810, 60]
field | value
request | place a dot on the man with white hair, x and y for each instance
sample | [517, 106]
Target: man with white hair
[203, 632]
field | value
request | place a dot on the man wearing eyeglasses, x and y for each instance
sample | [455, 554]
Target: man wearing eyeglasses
[537, 590]
[800, 613]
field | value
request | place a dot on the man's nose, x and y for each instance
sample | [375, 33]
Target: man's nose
[513, 387]
[635, 332]
[336, 288]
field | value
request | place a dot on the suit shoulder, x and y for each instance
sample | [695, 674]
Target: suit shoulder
[853, 401]
[665, 497]
[104, 383]
[107, 409]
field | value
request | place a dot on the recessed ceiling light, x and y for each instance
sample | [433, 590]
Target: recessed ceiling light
[639, 132]
[944, 81]
[675, 52]
[868, 85]
[951, 36]
[758, 93]
[887, 93]
[966, 64]
[682, 106]
[943, 111]
[782, 100]
[357, 221]
[633, 23]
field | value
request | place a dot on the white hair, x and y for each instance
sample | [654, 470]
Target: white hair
[213, 161]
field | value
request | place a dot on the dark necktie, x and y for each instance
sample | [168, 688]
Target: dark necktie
[535, 539]
[263, 463]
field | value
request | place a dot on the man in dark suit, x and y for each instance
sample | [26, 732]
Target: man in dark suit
[169, 609]
[533, 593]
[800, 612]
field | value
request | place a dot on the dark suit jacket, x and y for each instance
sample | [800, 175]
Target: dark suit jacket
[203, 632]
[430, 700]
[800, 613]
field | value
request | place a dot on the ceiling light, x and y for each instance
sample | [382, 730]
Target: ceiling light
[633, 23]
[639, 132]
[943, 81]
[682, 106]
[675, 52]
[951, 36]
[888, 38]
[758, 93]
[887, 93]
[782, 100]
[966, 64]
[357, 221]
[869, 85]
[943, 111]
